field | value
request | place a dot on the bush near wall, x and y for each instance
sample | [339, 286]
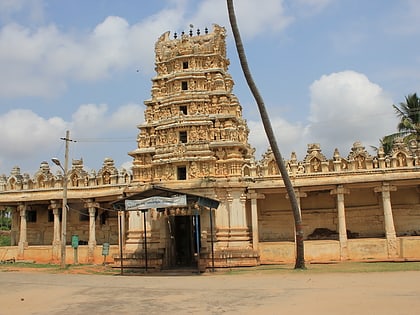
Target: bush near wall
[4, 238]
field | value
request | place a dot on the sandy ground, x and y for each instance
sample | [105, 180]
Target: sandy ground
[249, 293]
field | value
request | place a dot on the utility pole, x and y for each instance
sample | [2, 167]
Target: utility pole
[65, 206]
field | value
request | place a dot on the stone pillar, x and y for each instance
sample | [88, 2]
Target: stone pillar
[135, 231]
[391, 236]
[238, 233]
[342, 228]
[23, 243]
[91, 206]
[55, 207]
[254, 217]
[231, 224]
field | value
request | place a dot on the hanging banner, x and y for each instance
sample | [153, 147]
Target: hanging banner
[156, 202]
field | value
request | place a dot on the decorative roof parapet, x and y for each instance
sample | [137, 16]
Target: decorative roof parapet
[78, 177]
[402, 156]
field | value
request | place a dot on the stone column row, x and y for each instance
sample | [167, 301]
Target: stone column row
[340, 191]
[55, 206]
[391, 236]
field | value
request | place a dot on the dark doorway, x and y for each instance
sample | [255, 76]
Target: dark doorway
[183, 240]
[186, 229]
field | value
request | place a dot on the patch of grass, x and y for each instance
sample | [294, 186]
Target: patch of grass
[365, 267]
[56, 268]
[339, 267]
[34, 265]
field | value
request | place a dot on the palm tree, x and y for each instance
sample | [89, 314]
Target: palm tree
[409, 114]
[385, 143]
[408, 126]
[300, 257]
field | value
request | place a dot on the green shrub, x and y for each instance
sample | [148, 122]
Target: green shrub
[4, 240]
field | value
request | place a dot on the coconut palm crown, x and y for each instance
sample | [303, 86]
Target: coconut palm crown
[409, 114]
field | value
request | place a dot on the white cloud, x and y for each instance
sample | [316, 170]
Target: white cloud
[90, 119]
[25, 62]
[127, 116]
[347, 107]
[96, 119]
[30, 138]
[289, 137]
[26, 136]
[253, 17]
[41, 61]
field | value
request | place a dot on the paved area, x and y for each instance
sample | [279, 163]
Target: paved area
[304, 293]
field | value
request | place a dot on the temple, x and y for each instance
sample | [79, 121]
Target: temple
[196, 196]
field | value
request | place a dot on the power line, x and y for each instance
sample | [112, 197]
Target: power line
[106, 139]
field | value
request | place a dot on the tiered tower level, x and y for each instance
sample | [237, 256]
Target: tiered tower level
[193, 122]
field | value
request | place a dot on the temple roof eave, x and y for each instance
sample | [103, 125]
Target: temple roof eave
[37, 195]
[141, 151]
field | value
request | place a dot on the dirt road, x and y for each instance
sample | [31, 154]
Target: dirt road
[304, 293]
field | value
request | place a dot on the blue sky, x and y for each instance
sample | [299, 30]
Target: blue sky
[329, 72]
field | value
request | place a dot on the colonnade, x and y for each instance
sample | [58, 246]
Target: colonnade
[55, 206]
[339, 191]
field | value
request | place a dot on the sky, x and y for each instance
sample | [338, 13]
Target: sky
[328, 70]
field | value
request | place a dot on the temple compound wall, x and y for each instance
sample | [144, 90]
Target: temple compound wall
[194, 142]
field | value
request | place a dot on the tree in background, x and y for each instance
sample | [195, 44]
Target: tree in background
[409, 125]
[385, 143]
[5, 219]
[5, 225]
[409, 114]
[300, 256]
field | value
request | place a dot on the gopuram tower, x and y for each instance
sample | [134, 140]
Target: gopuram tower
[195, 140]
[193, 122]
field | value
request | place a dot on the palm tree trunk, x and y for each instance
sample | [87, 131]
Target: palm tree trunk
[300, 257]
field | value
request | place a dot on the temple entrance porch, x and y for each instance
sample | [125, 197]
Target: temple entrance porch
[164, 229]
[185, 244]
